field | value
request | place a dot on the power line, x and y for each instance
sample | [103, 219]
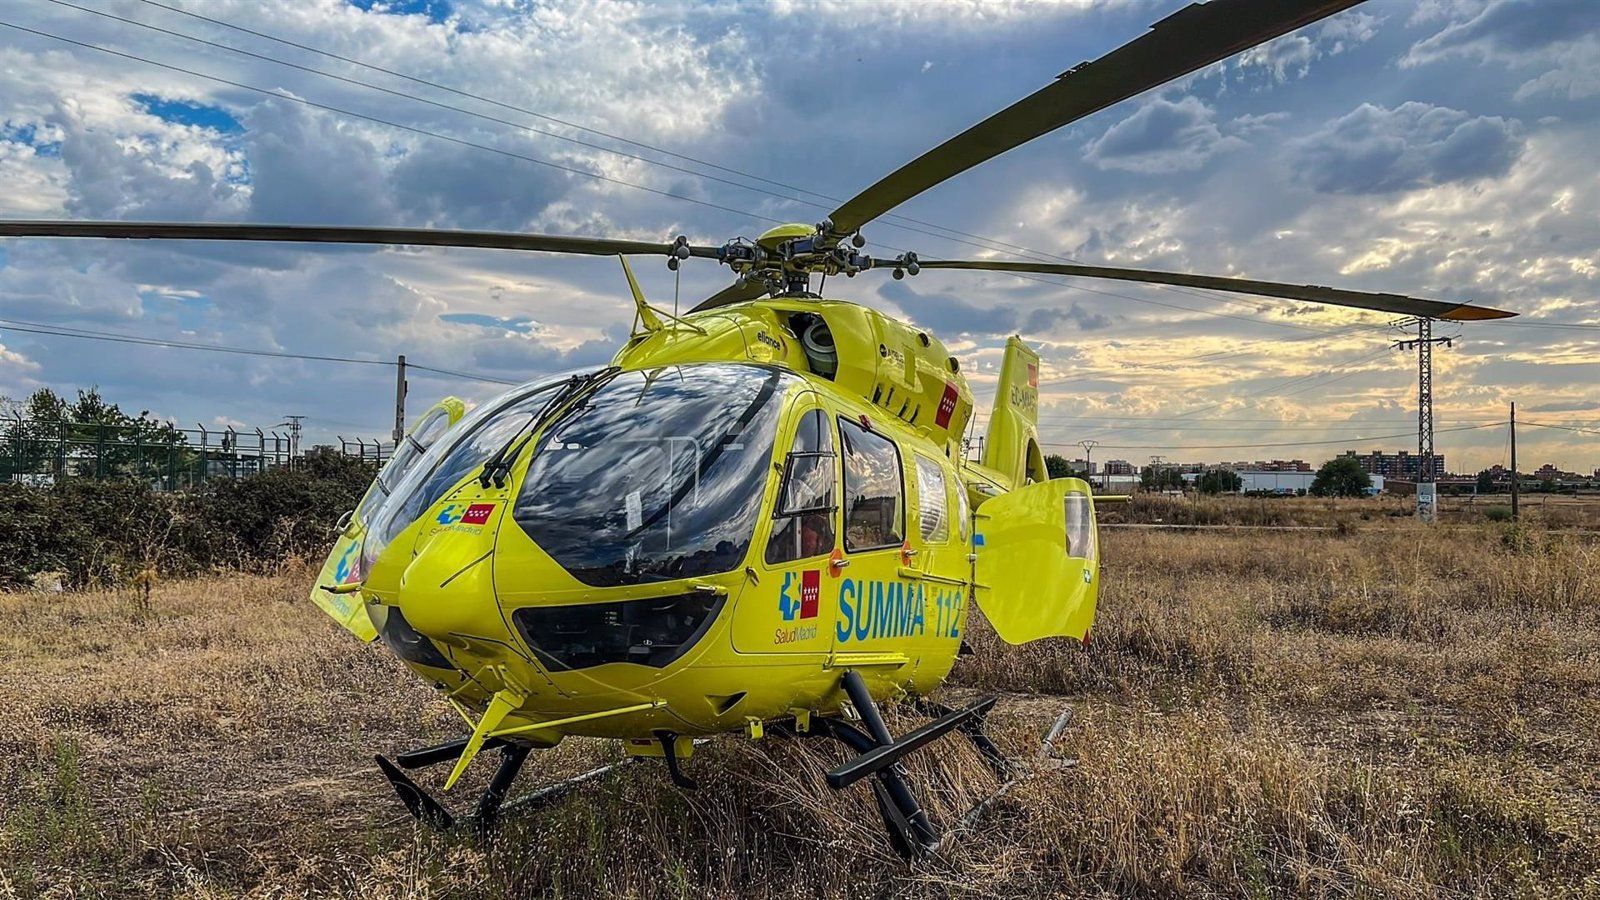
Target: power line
[1214, 356]
[888, 219]
[374, 119]
[454, 374]
[579, 171]
[1062, 417]
[518, 125]
[1114, 429]
[1299, 380]
[548, 118]
[407, 96]
[1563, 427]
[1581, 325]
[575, 170]
[1300, 426]
[124, 338]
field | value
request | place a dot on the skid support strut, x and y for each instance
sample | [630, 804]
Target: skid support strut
[430, 811]
[910, 831]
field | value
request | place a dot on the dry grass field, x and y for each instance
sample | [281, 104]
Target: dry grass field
[1375, 711]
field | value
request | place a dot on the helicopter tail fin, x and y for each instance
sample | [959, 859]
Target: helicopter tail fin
[1011, 445]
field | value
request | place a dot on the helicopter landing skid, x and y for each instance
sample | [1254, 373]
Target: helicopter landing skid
[878, 755]
[431, 812]
[491, 803]
[910, 831]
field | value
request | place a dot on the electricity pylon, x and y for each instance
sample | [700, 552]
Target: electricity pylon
[1427, 491]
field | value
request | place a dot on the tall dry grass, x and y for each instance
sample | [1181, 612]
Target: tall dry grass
[1385, 712]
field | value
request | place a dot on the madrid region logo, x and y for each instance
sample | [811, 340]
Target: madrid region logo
[804, 606]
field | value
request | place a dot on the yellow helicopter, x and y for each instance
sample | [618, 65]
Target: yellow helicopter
[759, 516]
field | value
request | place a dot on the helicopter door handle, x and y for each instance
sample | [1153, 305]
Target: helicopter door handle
[839, 563]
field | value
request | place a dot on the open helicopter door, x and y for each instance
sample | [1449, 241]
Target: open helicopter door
[341, 570]
[1037, 561]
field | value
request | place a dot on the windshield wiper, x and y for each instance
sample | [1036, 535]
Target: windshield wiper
[498, 465]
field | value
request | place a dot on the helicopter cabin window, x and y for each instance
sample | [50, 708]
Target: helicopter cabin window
[466, 455]
[1080, 527]
[411, 450]
[802, 525]
[656, 476]
[963, 511]
[933, 501]
[461, 449]
[874, 489]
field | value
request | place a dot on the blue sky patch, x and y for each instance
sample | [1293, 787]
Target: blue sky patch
[187, 112]
[29, 134]
[190, 309]
[435, 10]
[499, 323]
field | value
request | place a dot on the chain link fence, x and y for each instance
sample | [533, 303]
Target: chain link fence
[165, 457]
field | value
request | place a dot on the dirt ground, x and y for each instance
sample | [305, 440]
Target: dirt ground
[1375, 710]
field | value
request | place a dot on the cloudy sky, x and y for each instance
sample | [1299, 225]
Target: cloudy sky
[1441, 148]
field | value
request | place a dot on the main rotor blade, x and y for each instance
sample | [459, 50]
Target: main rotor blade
[733, 293]
[1392, 303]
[1192, 38]
[338, 234]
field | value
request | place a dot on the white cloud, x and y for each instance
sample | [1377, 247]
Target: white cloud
[1161, 136]
[1377, 150]
[1559, 37]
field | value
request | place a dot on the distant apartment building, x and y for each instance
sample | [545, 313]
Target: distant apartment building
[1120, 467]
[1400, 466]
[1272, 465]
[1500, 476]
[1551, 472]
[1269, 465]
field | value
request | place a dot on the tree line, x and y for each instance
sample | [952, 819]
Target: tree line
[1341, 476]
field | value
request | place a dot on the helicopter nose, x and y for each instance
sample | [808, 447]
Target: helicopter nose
[447, 589]
[405, 642]
[441, 599]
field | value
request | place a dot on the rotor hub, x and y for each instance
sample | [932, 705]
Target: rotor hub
[784, 258]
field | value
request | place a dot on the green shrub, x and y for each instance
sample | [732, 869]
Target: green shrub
[1497, 513]
[104, 532]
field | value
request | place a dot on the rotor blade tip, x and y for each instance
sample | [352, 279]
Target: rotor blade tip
[1476, 314]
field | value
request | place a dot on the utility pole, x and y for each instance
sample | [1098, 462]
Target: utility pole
[293, 424]
[1427, 491]
[1514, 487]
[1088, 458]
[400, 400]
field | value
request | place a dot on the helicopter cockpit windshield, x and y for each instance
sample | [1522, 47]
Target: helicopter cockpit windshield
[657, 475]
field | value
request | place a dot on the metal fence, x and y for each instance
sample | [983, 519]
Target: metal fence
[165, 457]
[373, 451]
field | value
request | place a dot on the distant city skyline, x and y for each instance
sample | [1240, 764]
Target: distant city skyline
[1129, 467]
